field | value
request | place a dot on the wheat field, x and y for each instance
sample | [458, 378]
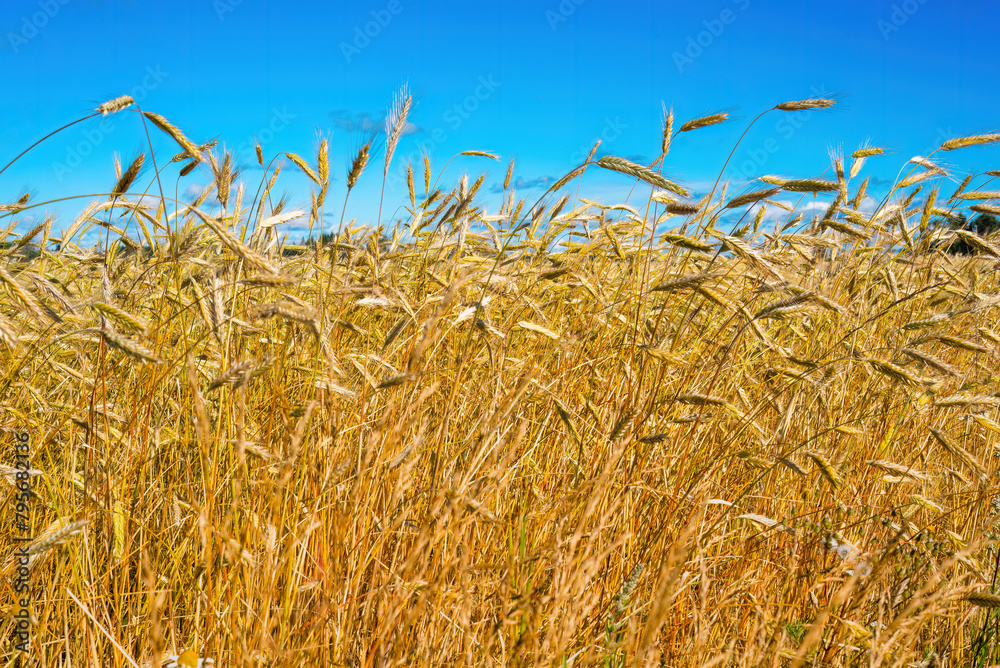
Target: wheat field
[695, 432]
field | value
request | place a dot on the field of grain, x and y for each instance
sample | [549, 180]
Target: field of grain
[506, 431]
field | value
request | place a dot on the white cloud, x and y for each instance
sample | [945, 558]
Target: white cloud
[194, 190]
[868, 205]
[813, 206]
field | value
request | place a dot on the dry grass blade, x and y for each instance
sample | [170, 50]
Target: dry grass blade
[930, 361]
[971, 140]
[896, 373]
[537, 329]
[129, 347]
[271, 280]
[280, 219]
[24, 300]
[358, 165]
[162, 123]
[286, 310]
[965, 400]
[844, 228]
[751, 197]
[922, 176]
[826, 468]
[644, 173]
[867, 152]
[781, 304]
[807, 241]
[569, 177]
[742, 249]
[668, 130]
[978, 243]
[927, 504]
[240, 373]
[27, 237]
[705, 121]
[805, 105]
[251, 258]
[703, 400]
[304, 166]
[683, 241]
[682, 282]
[765, 522]
[962, 344]
[986, 423]
[957, 451]
[336, 389]
[895, 469]
[120, 315]
[681, 209]
[983, 599]
[116, 105]
[128, 177]
[979, 195]
[395, 123]
[8, 334]
[56, 534]
[809, 186]
[481, 154]
[395, 380]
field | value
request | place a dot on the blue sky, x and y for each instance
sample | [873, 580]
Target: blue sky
[534, 81]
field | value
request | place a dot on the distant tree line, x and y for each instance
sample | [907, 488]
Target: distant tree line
[982, 225]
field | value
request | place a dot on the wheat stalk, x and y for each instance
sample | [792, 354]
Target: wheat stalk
[807, 104]
[127, 346]
[971, 140]
[644, 173]
[705, 121]
[166, 126]
[115, 105]
[809, 185]
[983, 599]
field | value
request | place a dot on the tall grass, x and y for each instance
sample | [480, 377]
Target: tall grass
[555, 434]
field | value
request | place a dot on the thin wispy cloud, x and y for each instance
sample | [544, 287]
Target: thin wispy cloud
[363, 122]
[878, 182]
[193, 191]
[521, 183]
[813, 206]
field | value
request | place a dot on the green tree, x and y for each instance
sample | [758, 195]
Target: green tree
[983, 225]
